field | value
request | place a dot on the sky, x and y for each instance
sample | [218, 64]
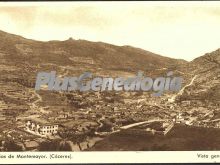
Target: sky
[182, 30]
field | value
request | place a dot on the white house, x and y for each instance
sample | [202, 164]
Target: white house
[41, 128]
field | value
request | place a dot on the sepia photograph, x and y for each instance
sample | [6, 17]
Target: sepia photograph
[109, 76]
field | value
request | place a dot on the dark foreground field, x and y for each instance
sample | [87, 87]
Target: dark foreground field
[180, 138]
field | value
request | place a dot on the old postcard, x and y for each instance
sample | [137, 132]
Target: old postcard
[109, 82]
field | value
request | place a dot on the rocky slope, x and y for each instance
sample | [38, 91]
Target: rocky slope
[80, 53]
[206, 86]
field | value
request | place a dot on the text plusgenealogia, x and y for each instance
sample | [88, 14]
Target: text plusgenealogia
[85, 82]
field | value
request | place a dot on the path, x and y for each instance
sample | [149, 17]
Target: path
[173, 98]
[34, 105]
[140, 123]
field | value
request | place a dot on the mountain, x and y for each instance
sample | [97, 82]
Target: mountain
[79, 55]
[206, 86]
[84, 115]
[23, 58]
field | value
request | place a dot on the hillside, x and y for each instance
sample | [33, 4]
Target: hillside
[206, 87]
[16, 50]
[82, 116]
[180, 138]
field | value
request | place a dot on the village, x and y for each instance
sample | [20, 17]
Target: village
[92, 116]
[30, 118]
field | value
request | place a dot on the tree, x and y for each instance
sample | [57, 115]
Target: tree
[55, 145]
[10, 145]
[78, 138]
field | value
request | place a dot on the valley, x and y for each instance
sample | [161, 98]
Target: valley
[76, 121]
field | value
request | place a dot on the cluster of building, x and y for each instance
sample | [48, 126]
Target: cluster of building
[205, 121]
[41, 128]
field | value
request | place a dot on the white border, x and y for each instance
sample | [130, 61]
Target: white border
[107, 3]
[115, 157]
[124, 156]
